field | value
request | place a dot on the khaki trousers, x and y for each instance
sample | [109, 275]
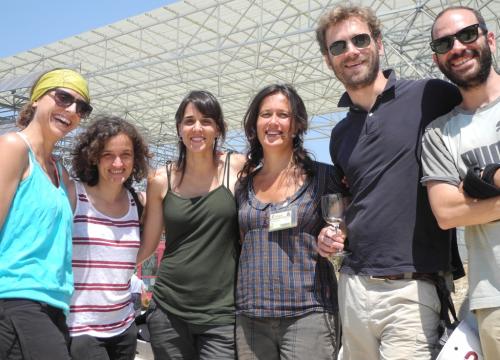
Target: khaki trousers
[488, 321]
[388, 319]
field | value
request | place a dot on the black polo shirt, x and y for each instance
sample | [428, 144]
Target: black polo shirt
[391, 228]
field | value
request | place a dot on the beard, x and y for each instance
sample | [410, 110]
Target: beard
[477, 78]
[362, 79]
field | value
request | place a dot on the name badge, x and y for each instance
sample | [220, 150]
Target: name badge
[283, 218]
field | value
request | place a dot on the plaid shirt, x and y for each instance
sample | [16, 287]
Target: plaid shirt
[280, 273]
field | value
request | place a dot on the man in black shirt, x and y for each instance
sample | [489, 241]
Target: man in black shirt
[388, 306]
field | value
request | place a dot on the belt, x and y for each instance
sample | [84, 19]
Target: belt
[407, 276]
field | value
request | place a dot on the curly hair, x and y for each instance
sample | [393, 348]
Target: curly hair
[207, 104]
[255, 153]
[91, 143]
[334, 16]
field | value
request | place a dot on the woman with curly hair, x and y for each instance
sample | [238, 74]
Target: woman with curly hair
[36, 280]
[286, 296]
[107, 158]
[193, 297]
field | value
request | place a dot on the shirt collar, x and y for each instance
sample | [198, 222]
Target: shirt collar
[390, 75]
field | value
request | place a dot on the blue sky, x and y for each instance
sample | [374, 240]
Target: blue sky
[29, 24]
[33, 23]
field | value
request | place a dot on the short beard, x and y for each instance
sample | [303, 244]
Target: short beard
[368, 79]
[477, 79]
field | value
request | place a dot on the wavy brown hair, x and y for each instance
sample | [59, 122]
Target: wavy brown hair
[340, 13]
[255, 154]
[91, 143]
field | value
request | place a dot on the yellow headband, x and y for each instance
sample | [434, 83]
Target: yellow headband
[61, 78]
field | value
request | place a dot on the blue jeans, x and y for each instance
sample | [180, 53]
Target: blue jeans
[310, 336]
[119, 347]
[173, 338]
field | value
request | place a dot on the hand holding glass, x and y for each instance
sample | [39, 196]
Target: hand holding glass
[332, 208]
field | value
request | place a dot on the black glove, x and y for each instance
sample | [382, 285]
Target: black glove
[481, 186]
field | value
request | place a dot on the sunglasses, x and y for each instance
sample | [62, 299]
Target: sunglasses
[467, 35]
[339, 47]
[65, 100]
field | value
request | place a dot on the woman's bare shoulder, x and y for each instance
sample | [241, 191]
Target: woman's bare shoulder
[12, 144]
[13, 141]
[237, 160]
[157, 175]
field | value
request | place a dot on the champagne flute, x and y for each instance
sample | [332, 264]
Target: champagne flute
[332, 208]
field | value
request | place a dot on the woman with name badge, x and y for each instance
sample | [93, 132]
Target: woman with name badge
[192, 199]
[36, 279]
[286, 297]
[108, 157]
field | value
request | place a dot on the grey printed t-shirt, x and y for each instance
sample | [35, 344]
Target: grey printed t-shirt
[452, 143]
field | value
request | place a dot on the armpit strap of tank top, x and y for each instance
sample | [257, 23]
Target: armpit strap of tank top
[25, 139]
[169, 169]
[227, 167]
[31, 154]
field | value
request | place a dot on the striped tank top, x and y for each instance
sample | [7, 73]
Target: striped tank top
[104, 257]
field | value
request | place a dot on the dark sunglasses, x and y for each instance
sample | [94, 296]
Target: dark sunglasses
[339, 47]
[65, 99]
[467, 35]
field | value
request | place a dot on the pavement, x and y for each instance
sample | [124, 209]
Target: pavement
[144, 351]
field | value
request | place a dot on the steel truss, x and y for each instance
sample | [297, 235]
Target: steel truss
[141, 67]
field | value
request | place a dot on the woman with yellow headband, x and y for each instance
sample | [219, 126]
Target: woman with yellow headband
[36, 280]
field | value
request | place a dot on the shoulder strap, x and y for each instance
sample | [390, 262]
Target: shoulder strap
[80, 189]
[25, 139]
[81, 197]
[169, 169]
[227, 169]
[446, 301]
[31, 154]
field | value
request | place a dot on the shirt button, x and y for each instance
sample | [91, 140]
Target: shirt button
[370, 114]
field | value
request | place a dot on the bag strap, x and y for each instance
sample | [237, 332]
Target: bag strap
[446, 301]
[140, 207]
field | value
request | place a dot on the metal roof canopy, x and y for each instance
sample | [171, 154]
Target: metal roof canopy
[140, 68]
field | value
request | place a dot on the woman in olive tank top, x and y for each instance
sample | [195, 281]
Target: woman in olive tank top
[192, 199]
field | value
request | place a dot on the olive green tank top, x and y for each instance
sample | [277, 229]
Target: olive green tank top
[197, 273]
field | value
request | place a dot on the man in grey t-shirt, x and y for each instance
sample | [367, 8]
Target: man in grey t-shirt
[467, 139]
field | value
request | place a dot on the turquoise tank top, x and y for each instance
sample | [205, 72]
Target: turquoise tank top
[35, 241]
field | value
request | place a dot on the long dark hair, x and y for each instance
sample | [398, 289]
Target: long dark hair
[91, 142]
[206, 103]
[255, 153]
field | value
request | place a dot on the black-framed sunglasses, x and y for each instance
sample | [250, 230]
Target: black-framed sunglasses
[339, 47]
[65, 99]
[467, 35]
